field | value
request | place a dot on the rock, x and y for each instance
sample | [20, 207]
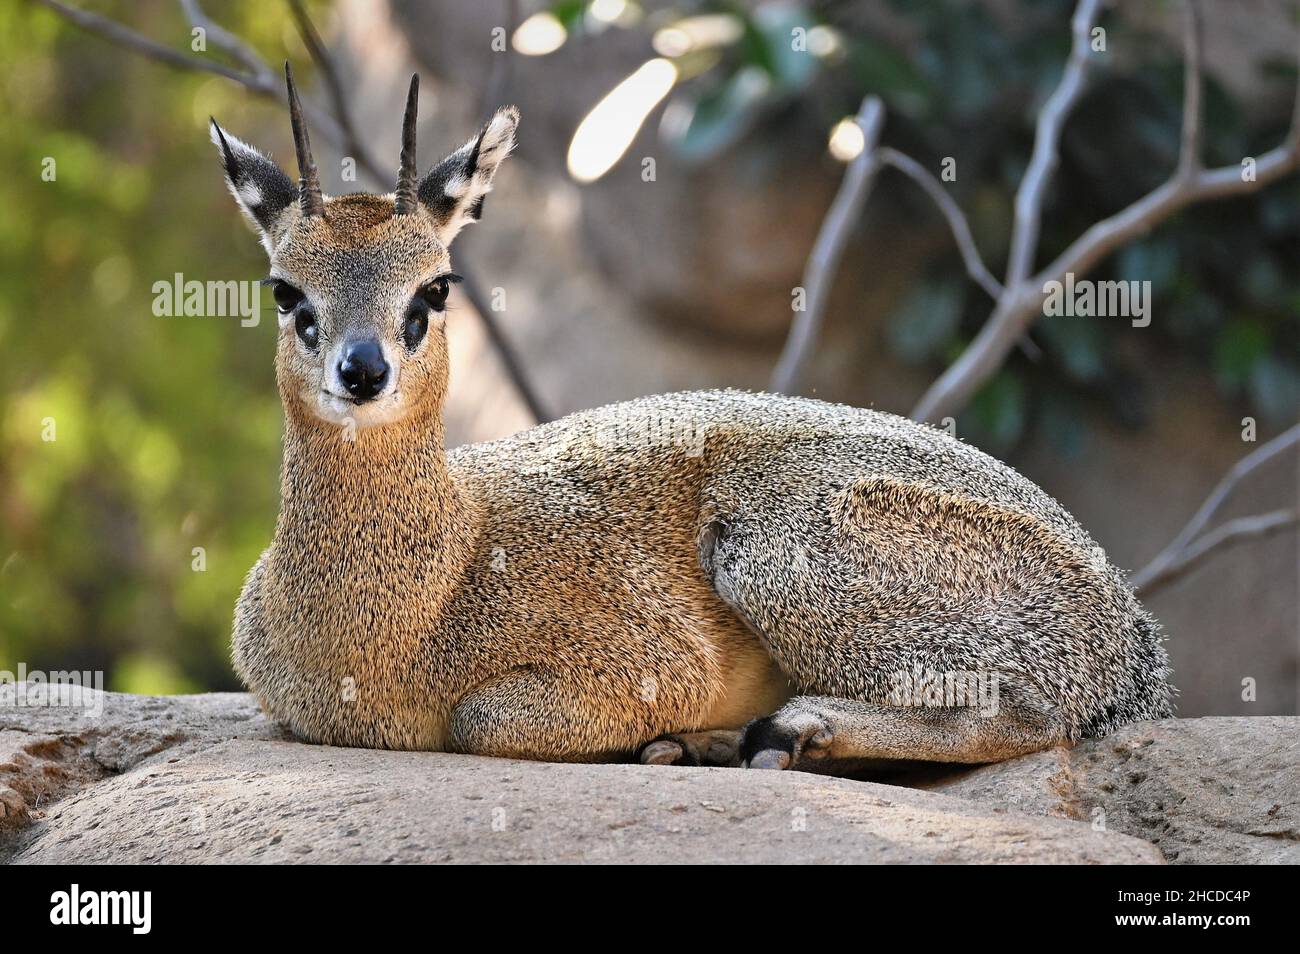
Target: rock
[208, 778]
[1214, 790]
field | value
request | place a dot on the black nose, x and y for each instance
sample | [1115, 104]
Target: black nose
[363, 369]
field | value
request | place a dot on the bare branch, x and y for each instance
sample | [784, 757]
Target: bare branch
[1234, 531]
[352, 144]
[1189, 156]
[819, 273]
[951, 211]
[1140, 217]
[223, 39]
[263, 82]
[1175, 554]
[1021, 304]
[123, 36]
[1047, 139]
[505, 351]
[502, 64]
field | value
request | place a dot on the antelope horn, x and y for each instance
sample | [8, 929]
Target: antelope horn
[309, 197]
[406, 173]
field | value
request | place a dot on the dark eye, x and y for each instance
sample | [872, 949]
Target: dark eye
[305, 324]
[435, 293]
[287, 297]
[416, 325]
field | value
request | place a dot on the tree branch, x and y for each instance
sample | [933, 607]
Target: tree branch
[836, 228]
[1234, 531]
[502, 65]
[819, 273]
[1021, 303]
[1175, 554]
[970, 255]
[1047, 140]
[223, 39]
[352, 144]
[125, 37]
[510, 361]
[263, 81]
[1189, 155]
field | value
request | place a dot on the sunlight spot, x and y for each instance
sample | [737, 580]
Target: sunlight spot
[607, 131]
[847, 140]
[540, 34]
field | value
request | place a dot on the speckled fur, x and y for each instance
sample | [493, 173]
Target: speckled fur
[696, 562]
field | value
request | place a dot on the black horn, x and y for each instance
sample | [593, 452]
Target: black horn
[309, 197]
[406, 172]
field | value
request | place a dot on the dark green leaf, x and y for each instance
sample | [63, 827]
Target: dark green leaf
[1275, 389]
[776, 25]
[927, 319]
[570, 13]
[998, 411]
[1240, 347]
[722, 115]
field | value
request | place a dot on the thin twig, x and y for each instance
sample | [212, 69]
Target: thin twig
[139, 43]
[1019, 308]
[502, 64]
[263, 82]
[352, 143]
[505, 351]
[1242, 528]
[951, 211]
[1174, 552]
[1189, 154]
[223, 39]
[1021, 303]
[819, 273]
[1047, 141]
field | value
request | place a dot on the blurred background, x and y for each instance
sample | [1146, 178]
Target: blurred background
[125, 538]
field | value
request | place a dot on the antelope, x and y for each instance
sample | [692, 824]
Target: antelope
[702, 578]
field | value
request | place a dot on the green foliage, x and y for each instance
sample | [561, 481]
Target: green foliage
[998, 411]
[1223, 278]
[165, 430]
[928, 318]
[963, 80]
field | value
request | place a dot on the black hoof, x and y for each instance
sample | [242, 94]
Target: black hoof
[778, 742]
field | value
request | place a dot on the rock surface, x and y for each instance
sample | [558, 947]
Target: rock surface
[1210, 790]
[209, 779]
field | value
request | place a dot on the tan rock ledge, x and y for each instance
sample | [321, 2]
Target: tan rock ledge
[208, 778]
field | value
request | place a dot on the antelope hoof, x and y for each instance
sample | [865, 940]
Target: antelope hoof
[662, 752]
[782, 741]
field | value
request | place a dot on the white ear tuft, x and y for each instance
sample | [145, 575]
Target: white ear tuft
[498, 137]
[262, 190]
[453, 191]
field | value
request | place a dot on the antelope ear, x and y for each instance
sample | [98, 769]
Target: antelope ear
[261, 188]
[453, 190]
